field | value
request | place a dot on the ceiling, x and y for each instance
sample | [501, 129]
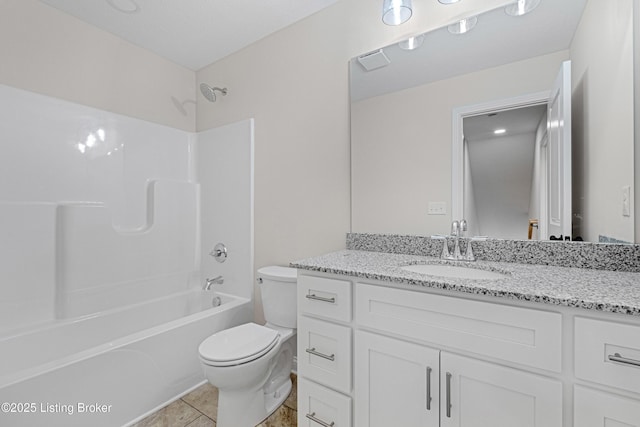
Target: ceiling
[515, 121]
[497, 39]
[192, 33]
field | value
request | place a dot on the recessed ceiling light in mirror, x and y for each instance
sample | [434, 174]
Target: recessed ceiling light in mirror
[448, 1]
[463, 26]
[521, 7]
[499, 131]
[124, 6]
[411, 43]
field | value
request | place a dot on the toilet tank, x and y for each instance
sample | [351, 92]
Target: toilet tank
[278, 286]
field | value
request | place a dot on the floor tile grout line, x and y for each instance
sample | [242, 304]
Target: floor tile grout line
[196, 409]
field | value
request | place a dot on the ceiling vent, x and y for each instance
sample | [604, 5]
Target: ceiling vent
[374, 60]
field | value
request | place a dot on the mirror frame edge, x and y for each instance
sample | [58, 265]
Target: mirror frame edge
[636, 118]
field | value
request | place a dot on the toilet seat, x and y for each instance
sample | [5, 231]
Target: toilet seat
[238, 345]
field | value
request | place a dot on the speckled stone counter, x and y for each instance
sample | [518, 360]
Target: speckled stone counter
[608, 291]
[619, 257]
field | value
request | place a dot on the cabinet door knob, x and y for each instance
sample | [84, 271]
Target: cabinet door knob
[313, 351]
[312, 417]
[616, 357]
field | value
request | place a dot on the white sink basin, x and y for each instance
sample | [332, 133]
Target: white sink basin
[454, 271]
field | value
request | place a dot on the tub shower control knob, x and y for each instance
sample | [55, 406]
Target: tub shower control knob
[219, 252]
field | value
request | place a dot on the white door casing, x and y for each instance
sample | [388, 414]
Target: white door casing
[559, 155]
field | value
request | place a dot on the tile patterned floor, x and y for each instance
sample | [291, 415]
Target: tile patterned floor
[200, 409]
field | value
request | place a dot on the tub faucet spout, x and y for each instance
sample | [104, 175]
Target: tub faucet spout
[218, 280]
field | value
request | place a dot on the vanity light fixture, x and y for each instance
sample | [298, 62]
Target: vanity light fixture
[499, 131]
[411, 43]
[463, 26]
[396, 12]
[521, 7]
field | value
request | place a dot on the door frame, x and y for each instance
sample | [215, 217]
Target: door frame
[457, 143]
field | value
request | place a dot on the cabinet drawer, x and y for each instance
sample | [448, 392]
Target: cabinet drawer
[317, 405]
[608, 353]
[520, 335]
[324, 297]
[324, 353]
[593, 408]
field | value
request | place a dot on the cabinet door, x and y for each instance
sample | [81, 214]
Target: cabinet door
[396, 383]
[481, 394]
[594, 408]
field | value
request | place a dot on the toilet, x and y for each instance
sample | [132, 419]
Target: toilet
[251, 364]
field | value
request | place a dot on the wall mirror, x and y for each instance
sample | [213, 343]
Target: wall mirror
[402, 116]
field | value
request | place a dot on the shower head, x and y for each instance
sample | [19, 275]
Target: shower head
[210, 92]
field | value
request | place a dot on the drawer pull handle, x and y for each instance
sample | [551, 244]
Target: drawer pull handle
[448, 395]
[331, 300]
[428, 388]
[618, 358]
[324, 356]
[312, 417]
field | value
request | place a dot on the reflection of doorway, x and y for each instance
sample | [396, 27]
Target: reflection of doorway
[554, 219]
[461, 178]
[502, 168]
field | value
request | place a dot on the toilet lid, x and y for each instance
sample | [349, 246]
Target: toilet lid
[276, 272]
[237, 345]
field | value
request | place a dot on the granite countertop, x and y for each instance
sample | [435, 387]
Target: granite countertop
[608, 291]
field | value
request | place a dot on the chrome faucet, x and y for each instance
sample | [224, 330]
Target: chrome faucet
[457, 230]
[218, 280]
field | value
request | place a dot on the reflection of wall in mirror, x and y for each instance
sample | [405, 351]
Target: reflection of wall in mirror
[401, 143]
[501, 182]
[602, 102]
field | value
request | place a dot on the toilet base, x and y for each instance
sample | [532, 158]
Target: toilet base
[274, 400]
[241, 411]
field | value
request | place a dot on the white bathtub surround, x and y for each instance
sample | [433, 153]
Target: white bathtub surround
[83, 190]
[224, 164]
[135, 359]
[100, 218]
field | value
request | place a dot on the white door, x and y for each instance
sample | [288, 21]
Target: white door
[558, 215]
[481, 394]
[594, 408]
[396, 383]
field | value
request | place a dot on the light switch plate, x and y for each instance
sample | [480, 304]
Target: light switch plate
[437, 208]
[626, 200]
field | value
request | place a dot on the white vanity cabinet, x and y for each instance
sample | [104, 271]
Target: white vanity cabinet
[324, 351]
[420, 385]
[395, 355]
[413, 385]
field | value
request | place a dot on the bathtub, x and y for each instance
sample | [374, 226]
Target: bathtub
[114, 367]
